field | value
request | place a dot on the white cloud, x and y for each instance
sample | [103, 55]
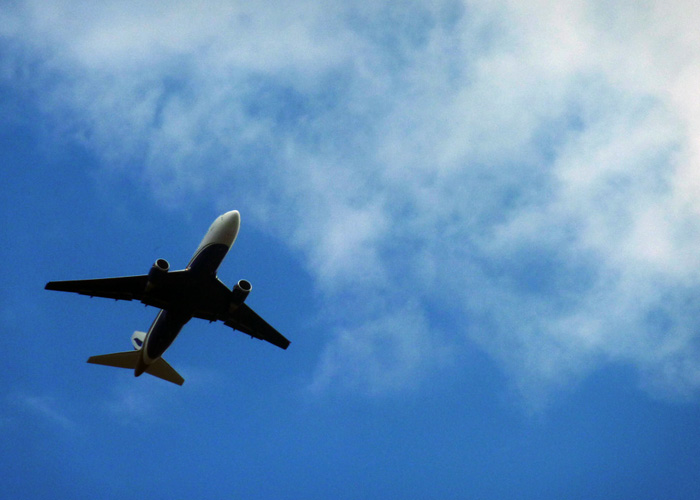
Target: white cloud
[382, 353]
[532, 166]
[49, 410]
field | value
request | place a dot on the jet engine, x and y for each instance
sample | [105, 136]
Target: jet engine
[240, 292]
[157, 273]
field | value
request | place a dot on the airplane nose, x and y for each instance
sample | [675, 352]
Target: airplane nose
[232, 223]
[235, 217]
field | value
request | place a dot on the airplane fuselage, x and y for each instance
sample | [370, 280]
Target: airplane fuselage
[202, 267]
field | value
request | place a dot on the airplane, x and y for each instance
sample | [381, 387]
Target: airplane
[194, 292]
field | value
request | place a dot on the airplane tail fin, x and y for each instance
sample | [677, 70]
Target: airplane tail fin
[129, 359]
[137, 339]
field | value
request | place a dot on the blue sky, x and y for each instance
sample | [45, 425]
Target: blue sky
[477, 222]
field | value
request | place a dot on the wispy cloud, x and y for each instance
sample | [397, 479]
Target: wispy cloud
[532, 167]
[48, 409]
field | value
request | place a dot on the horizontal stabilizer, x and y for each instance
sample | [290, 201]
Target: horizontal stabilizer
[119, 359]
[161, 369]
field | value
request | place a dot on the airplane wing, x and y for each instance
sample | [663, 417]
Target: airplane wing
[122, 288]
[215, 297]
[247, 321]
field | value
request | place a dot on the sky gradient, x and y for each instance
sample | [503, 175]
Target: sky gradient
[477, 222]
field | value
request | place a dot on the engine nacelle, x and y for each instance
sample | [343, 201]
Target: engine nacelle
[157, 273]
[240, 293]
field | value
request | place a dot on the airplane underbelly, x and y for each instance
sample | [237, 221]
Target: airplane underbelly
[208, 258]
[163, 332]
